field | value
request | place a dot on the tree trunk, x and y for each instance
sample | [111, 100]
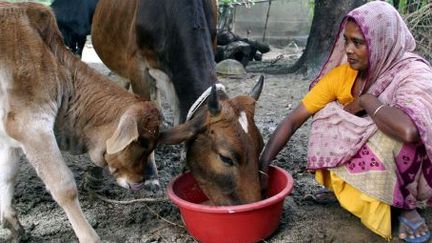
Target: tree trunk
[325, 25]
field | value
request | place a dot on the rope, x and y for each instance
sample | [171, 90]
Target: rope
[201, 99]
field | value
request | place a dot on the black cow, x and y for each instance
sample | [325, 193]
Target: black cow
[74, 19]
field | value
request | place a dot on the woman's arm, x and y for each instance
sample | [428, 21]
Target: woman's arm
[390, 120]
[283, 133]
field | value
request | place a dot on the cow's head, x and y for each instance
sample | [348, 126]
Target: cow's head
[129, 148]
[223, 145]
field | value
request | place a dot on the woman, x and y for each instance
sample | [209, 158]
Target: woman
[371, 135]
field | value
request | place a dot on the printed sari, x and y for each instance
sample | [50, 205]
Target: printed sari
[384, 172]
[368, 171]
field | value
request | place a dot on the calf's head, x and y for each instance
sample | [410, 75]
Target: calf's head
[129, 147]
[223, 145]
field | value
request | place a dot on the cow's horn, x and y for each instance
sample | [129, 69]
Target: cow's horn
[213, 102]
[256, 90]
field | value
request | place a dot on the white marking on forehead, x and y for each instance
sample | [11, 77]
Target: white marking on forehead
[243, 121]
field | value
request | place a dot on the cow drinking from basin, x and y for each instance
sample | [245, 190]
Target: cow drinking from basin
[50, 99]
[167, 46]
[223, 144]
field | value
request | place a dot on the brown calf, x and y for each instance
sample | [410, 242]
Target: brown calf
[50, 99]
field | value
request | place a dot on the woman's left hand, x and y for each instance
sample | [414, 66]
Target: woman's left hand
[390, 120]
[367, 99]
[354, 107]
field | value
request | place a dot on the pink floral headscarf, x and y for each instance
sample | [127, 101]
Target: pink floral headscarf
[398, 78]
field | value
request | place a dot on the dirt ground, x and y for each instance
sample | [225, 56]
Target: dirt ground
[303, 220]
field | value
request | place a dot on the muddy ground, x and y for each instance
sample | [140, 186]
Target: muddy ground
[303, 220]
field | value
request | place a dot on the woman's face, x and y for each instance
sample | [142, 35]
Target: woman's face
[355, 47]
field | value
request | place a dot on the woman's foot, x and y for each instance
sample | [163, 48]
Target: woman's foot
[412, 227]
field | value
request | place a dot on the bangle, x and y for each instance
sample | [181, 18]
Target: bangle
[377, 109]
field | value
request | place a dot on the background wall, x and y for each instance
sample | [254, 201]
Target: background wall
[289, 21]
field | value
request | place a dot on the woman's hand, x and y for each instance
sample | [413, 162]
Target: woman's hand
[390, 120]
[366, 99]
[354, 107]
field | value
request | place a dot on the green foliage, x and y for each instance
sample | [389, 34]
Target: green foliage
[311, 5]
[402, 4]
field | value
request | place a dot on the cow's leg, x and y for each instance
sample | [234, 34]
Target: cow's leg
[73, 42]
[67, 37]
[81, 40]
[8, 171]
[120, 81]
[48, 162]
[141, 82]
[165, 86]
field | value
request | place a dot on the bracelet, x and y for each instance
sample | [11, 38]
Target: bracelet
[377, 109]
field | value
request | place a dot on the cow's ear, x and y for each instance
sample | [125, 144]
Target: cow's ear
[182, 132]
[256, 90]
[126, 132]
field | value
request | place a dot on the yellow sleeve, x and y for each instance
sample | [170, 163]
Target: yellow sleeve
[324, 92]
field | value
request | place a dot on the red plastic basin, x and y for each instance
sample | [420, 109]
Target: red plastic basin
[243, 223]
